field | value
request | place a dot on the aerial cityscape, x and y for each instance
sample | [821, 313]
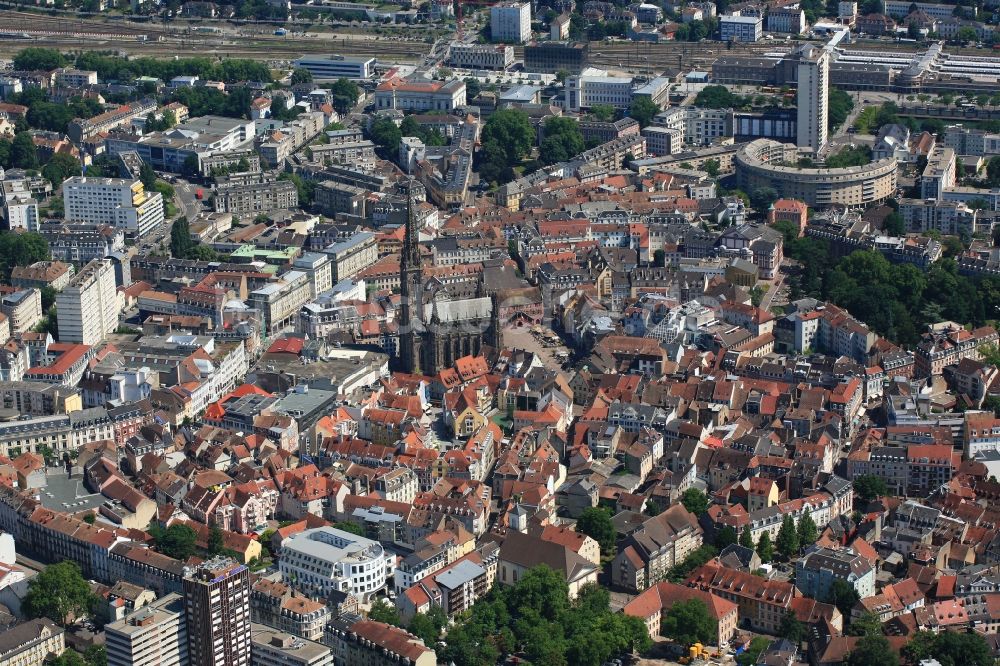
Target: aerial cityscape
[467, 332]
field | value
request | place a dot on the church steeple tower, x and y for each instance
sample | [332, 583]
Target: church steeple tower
[411, 291]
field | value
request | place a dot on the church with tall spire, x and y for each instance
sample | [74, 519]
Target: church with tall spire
[435, 328]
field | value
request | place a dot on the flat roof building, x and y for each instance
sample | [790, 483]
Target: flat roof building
[324, 560]
[332, 67]
[270, 647]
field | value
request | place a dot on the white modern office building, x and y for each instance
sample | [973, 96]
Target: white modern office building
[87, 309]
[583, 92]
[332, 67]
[741, 28]
[481, 56]
[814, 85]
[510, 22]
[121, 202]
[323, 560]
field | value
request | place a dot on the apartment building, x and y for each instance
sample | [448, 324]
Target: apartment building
[947, 343]
[31, 643]
[23, 309]
[651, 605]
[81, 243]
[939, 174]
[279, 301]
[119, 202]
[761, 603]
[376, 644]
[75, 78]
[332, 198]
[277, 605]
[20, 209]
[816, 572]
[812, 98]
[87, 309]
[154, 635]
[276, 147]
[260, 194]
[915, 470]
[481, 56]
[971, 141]
[351, 256]
[659, 544]
[60, 433]
[510, 22]
[41, 274]
[786, 19]
[218, 613]
[80, 130]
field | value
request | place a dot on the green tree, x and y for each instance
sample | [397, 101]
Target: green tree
[22, 249]
[872, 651]
[301, 75]
[761, 199]
[792, 628]
[180, 238]
[717, 97]
[993, 171]
[839, 106]
[147, 176]
[866, 624]
[788, 538]
[869, 486]
[216, 540]
[177, 541]
[428, 626]
[563, 140]
[353, 528]
[679, 572]
[951, 648]
[58, 593]
[23, 153]
[765, 549]
[690, 622]
[39, 59]
[842, 595]
[472, 88]
[643, 110]
[345, 95]
[96, 655]
[695, 501]
[386, 135]
[849, 156]
[596, 523]
[711, 167]
[753, 651]
[894, 224]
[746, 538]
[61, 167]
[511, 130]
[69, 658]
[725, 537]
[383, 612]
[808, 533]
[604, 112]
